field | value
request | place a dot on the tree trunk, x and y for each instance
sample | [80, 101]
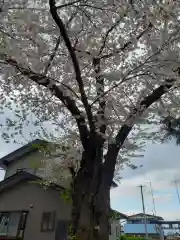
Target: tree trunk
[104, 218]
[90, 213]
[92, 221]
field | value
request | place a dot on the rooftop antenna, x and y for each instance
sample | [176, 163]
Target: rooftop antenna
[153, 200]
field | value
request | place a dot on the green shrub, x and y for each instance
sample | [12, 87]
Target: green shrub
[136, 238]
[124, 237]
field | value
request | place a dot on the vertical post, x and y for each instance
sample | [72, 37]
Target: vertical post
[161, 233]
[176, 187]
[144, 213]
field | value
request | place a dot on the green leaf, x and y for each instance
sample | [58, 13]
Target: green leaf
[66, 195]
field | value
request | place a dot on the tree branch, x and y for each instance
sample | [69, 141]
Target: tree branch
[117, 85]
[108, 32]
[52, 56]
[67, 4]
[113, 148]
[75, 62]
[56, 91]
[126, 45]
[78, 50]
[100, 91]
[94, 7]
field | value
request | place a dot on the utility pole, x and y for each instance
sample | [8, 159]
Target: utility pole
[176, 187]
[144, 213]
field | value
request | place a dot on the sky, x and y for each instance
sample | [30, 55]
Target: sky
[161, 166]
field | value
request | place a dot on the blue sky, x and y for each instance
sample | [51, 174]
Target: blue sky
[161, 166]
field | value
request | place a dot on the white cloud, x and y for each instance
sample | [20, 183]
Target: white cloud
[170, 214]
[161, 167]
[163, 198]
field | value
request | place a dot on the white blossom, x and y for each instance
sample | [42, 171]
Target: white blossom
[138, 47]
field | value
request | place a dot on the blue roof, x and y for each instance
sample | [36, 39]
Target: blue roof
[140, 228]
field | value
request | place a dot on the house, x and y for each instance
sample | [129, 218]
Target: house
[28, 210]
[115, 229]
[135, 226]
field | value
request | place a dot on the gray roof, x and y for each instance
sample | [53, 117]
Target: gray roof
[25, 150]
[20, 152]
[141, 215]
[23, 176]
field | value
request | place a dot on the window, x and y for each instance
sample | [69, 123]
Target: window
[11, 223]
[48, 221]
[4, 220]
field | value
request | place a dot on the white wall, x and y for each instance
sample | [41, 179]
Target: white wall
[115, 230]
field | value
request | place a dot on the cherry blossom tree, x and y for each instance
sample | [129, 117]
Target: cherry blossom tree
[171, 127]
[96, 70]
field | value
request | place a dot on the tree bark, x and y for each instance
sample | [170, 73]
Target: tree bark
[90, 214]
[91, 222]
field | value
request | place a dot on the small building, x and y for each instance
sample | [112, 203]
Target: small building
[29, 211]
[115, 228]
[135, 226]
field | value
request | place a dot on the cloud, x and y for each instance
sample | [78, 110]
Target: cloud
[161, 167]
[163, 198]
[170, 214]
[129, 187]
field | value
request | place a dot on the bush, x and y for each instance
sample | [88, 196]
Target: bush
[124, 237]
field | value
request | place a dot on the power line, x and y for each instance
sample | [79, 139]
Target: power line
[144, 212]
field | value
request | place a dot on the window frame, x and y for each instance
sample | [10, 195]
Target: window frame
[51, 216]
[117, 231]
[19, 227]
[109, 228]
